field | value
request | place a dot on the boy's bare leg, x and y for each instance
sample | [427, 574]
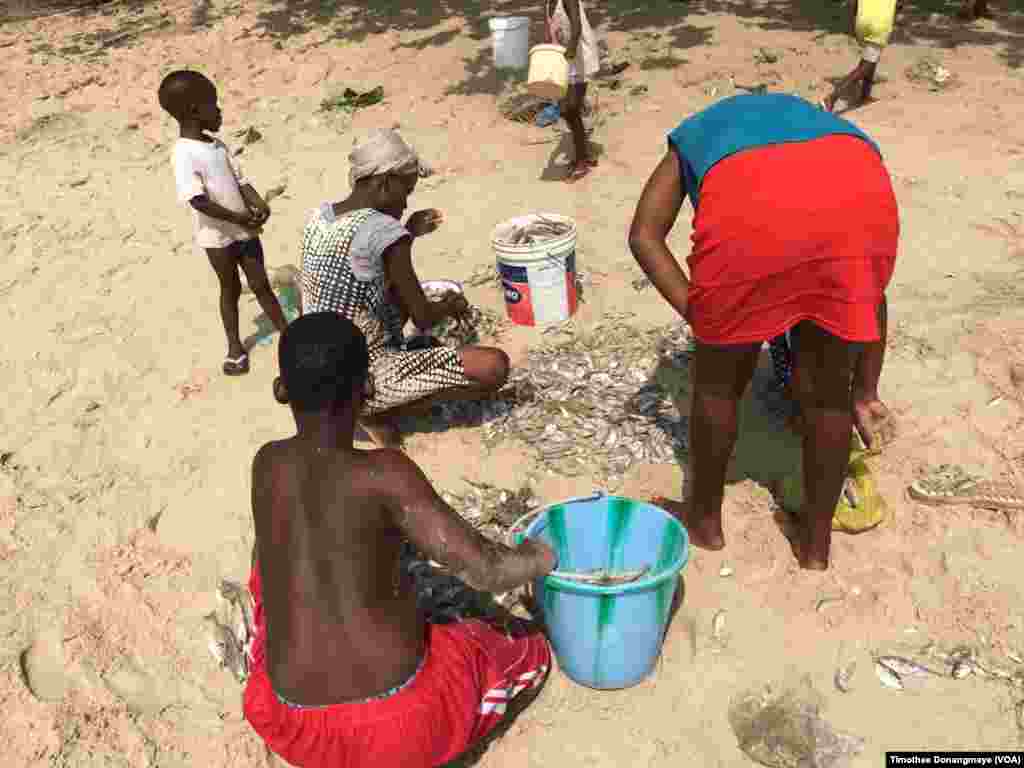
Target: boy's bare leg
[721, 376]
[825, 363]
[872, 419]
[225, 265]
[572, 112]
[259, 282]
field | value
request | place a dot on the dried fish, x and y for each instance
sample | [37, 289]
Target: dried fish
[718, 626]
[226, 648]
[602, 576]
[905, 667]
[537, 229]
[962, 669]
[601, 395]
[828, 602]
[887, 677]
[844, 676]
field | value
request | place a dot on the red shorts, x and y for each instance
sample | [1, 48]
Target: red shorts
[469, 674]
[791, 232]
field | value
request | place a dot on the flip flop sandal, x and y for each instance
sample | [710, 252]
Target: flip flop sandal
[949, 485]
[236, 366]
[578, 173]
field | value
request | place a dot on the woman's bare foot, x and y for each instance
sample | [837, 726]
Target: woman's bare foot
[383, 433]
[809, 557]
[874, 423]
[807, 562]
[704, 534]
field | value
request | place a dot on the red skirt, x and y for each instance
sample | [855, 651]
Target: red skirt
[792, 232]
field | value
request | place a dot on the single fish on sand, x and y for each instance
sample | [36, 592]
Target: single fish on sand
[718, 626]
[905, 667]
[844, 676]
[226, 649]
[887, 677]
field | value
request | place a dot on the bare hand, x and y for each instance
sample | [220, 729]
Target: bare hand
[540, 553]
[424, 222]
[455, 304]
[250, 221]
[261, 214]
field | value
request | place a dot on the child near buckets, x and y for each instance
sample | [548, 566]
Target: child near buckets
[568, 26]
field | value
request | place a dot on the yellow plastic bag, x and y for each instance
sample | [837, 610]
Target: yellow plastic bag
[864, 511]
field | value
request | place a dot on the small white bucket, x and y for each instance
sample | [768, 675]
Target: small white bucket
[539, 279]
[510, 37]
[549, 73]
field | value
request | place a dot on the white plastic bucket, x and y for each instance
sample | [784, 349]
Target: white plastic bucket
[549, 73]
[510, 36]
[539, 279]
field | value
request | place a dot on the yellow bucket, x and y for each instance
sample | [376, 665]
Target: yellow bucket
[549, 72]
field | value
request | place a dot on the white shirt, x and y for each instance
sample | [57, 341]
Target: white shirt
[207, 168]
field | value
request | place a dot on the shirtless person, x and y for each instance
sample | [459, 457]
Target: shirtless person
[345, 671]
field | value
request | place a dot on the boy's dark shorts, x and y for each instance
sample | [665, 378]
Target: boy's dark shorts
[246, 249]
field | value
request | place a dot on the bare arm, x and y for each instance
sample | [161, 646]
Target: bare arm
[205, 205]
[438, 531]
[253, 200]
[654, 218]
[572, 10]
[398, 263]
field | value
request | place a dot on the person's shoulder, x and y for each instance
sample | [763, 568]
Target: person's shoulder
[379, 220]
[394, 470]
[270, 454]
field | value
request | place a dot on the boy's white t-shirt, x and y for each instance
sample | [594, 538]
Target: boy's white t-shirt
[207, 168]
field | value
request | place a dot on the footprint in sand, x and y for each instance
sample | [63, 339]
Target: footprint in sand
[43, 666]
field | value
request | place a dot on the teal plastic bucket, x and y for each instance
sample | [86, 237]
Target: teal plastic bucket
[288, 298]
[608, 637]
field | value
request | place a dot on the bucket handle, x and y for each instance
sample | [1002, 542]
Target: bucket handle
[516, 533]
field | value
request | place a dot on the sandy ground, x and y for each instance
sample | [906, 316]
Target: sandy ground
[125, 461]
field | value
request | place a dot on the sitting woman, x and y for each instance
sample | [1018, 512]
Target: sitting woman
[357, 261]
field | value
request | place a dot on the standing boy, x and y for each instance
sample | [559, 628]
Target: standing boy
[346, 671]
[568, 26]
[228, 212]
[872, 22]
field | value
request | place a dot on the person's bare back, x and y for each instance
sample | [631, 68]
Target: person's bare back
[343, 619]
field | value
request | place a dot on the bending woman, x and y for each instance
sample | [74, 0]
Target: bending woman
[795, 226]
[357, 261]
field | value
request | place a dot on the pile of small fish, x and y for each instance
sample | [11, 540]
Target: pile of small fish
[590, 404]
[490, 509]
[538, 229]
